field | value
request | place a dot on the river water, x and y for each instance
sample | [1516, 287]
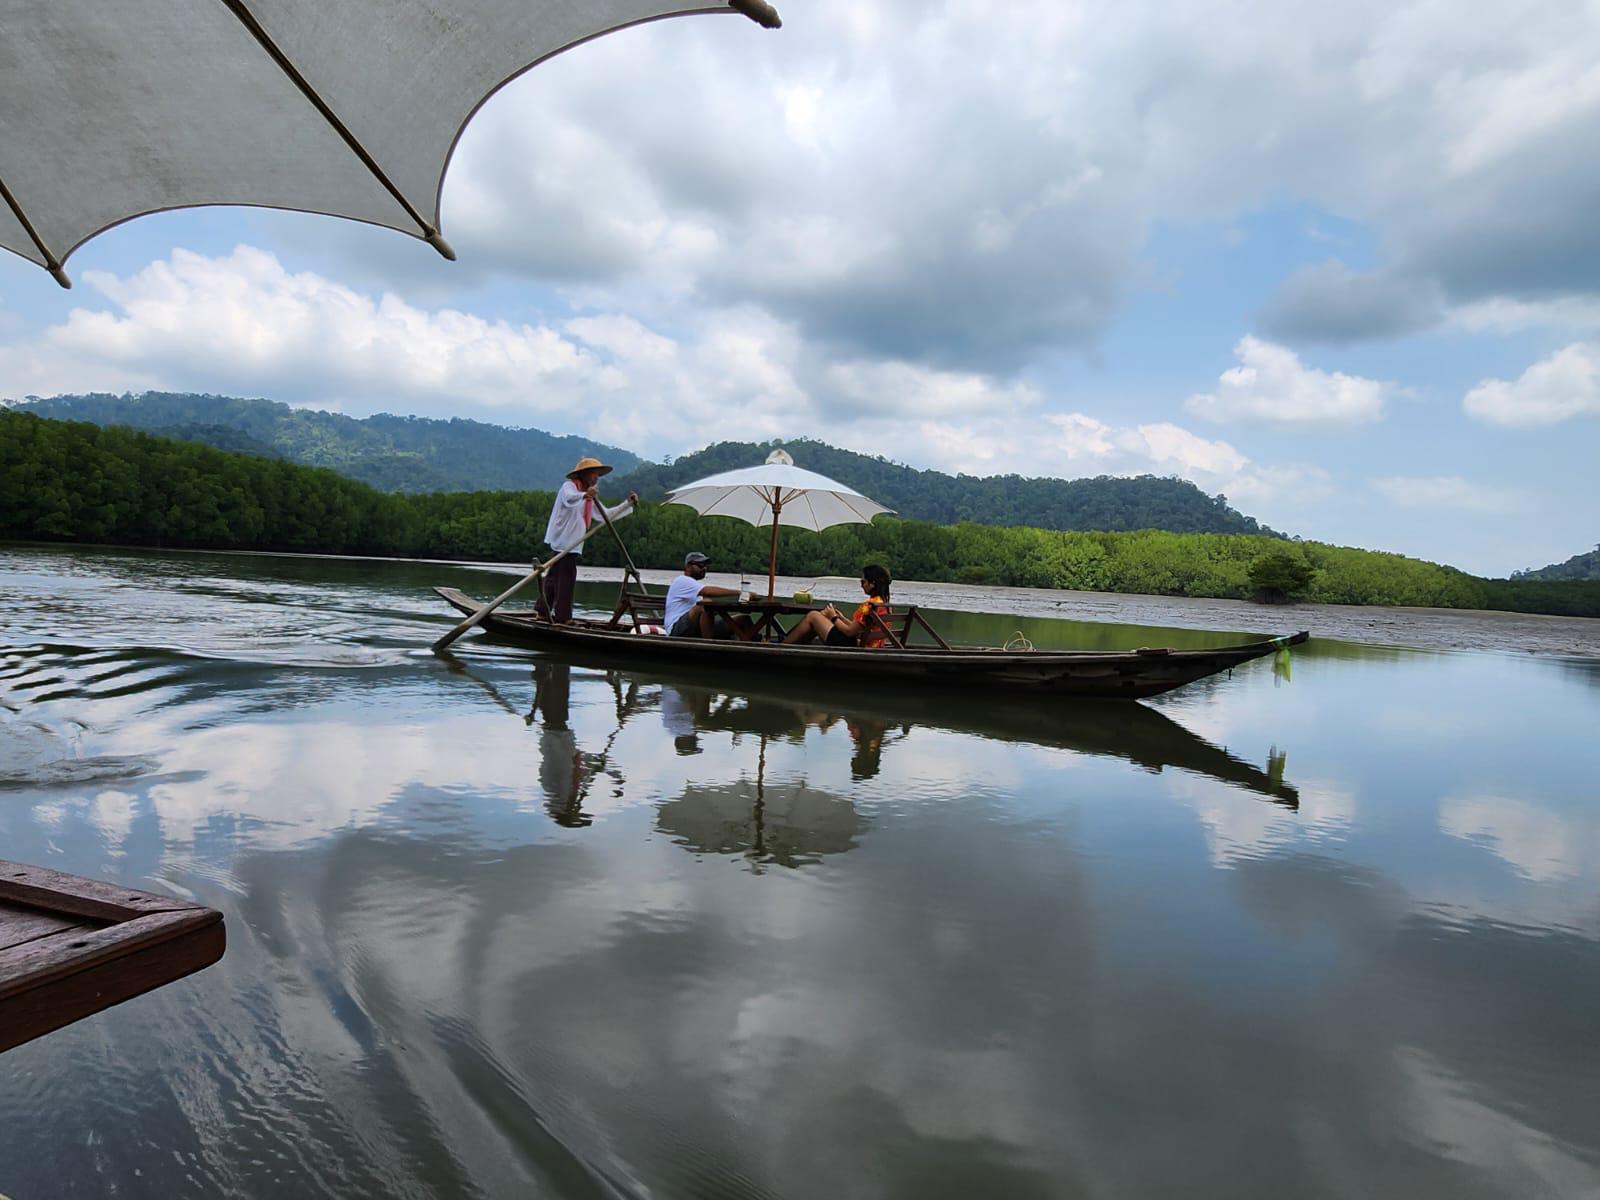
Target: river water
[504, 925]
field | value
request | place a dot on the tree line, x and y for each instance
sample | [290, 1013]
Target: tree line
[1105, 502]
[73, 481]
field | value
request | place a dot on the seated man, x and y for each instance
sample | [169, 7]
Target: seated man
[687, 617]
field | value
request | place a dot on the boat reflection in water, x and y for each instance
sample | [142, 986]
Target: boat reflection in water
[791, 822]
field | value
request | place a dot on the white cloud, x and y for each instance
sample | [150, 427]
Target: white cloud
[244, 324]
[1448, 1111]
[1540, 844]
[241, 324]
[883, 389]
[1449, 493]
[1170, 445]
[1082, 438]
[1076, 443]
[1239, 826]
[952, 183]
[1563, 386]
[1498, 314]
[1508, 109]
[971, 186]
[1271, 386]
[1287, 484]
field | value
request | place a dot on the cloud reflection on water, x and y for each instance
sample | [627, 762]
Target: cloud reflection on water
[1029, 951]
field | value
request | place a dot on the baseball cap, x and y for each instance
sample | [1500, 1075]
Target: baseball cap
[694, 556]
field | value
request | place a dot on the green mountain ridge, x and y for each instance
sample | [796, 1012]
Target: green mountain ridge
[391, 453]
[1579, 566]
[1104, 502]
[420, 455]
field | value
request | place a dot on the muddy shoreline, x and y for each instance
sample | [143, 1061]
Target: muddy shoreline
[1419, 628]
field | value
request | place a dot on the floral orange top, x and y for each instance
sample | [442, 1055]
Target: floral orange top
[872, 634]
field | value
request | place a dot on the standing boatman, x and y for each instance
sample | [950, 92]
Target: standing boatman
[575, 505]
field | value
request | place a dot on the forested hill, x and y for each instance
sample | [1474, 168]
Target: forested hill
[393, 454]
[1579, 566]
[419, 455]
[1105, 502]
[74, 481]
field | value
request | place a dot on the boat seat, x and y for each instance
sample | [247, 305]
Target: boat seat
[644, 609]
[899, 622]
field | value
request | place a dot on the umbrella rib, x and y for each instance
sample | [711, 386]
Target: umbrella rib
[246, 18]
[711, 509]
[51, 262]
[816, 522]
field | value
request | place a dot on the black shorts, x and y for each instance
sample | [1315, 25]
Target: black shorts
[835, 638]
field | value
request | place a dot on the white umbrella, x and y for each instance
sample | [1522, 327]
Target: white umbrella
[350, 108]
[779, 492]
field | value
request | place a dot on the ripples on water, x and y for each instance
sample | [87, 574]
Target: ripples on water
[500, 925]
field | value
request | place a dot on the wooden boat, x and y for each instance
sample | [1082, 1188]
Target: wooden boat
[70, 947]
[1126, 674]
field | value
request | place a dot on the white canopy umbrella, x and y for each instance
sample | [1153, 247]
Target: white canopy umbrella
[779, 492]
[351, 108]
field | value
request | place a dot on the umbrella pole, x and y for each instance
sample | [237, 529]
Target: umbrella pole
[760, 848]
[772, 558]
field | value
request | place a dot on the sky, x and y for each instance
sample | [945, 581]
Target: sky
[1340, 263]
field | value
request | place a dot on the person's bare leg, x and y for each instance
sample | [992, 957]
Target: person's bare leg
[706, 620]
[742, 628]
[815, 625]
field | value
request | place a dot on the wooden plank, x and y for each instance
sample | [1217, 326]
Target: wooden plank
[56, 891]
[20, 923]
[44, 960]
[71, 946]
[65, 999]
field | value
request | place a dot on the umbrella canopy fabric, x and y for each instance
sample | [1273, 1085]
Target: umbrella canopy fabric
[110, 111]
[779, 493]
[799, 497]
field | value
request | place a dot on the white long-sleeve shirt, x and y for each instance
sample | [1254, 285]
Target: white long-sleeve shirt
[567, 525]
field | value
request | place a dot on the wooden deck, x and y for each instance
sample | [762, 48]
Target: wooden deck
[70, 947]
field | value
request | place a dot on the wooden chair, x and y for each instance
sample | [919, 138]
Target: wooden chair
[641, 608]
[899, 622]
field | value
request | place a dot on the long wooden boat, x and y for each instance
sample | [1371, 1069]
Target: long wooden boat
[1125, 674]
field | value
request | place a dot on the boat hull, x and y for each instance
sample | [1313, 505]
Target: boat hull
[1128, 674]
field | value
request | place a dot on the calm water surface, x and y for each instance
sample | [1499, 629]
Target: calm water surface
[501, 925]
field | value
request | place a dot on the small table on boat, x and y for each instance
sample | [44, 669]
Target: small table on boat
[764, 613]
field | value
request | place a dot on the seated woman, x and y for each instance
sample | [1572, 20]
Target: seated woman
[835, 629]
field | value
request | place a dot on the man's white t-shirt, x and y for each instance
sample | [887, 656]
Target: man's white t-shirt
[683, 593]
[676, 714]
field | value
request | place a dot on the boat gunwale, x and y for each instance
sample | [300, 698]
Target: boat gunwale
[583, 630]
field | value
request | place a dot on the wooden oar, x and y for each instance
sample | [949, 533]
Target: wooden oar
[518, 586]
[626, 557]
